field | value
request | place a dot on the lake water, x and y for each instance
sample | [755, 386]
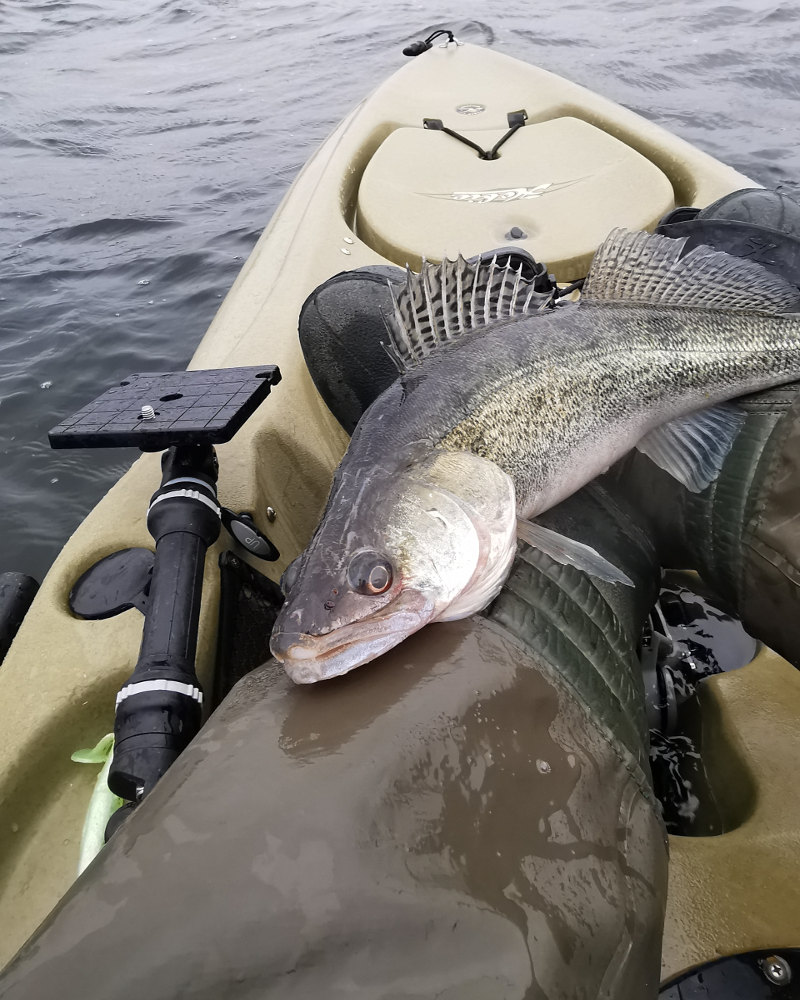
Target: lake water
[143, 147]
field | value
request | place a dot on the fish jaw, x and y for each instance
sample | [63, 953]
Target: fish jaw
[311, 658]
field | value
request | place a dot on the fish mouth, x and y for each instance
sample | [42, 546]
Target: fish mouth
[311, 658]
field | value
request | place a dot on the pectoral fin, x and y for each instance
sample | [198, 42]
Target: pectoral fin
[692, 449]
[568, 552]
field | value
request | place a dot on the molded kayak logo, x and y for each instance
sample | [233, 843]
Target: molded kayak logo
[502, 194]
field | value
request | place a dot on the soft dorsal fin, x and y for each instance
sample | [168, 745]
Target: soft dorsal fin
[648, 269]
[445, 301]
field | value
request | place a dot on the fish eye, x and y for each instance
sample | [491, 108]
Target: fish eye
[369, 573]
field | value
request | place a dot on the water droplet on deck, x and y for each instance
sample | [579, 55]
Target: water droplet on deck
[45, 385]
[543, 767]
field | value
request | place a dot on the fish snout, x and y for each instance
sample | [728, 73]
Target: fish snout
[339, 646]
[306, 658]
[290, 644]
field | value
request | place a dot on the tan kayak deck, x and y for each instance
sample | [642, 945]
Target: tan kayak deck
[380, 190]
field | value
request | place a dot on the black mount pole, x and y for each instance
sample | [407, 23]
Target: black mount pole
[159, 708]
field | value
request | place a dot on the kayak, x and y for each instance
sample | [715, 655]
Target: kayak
[386, 190]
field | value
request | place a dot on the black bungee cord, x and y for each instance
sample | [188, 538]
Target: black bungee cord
[417, 48]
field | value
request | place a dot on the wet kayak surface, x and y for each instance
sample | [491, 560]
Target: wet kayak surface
[144, 151]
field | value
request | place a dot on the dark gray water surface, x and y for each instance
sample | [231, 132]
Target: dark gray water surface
[143, 147]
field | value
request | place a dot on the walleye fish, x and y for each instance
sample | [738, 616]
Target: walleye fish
[503, 409]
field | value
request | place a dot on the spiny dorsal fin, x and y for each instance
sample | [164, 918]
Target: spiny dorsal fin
[445, 301]
[648, 269]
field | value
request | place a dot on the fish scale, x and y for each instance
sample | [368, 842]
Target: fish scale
[534, 410]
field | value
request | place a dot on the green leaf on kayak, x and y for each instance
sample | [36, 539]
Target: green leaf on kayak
[99, 754]
[102, 804]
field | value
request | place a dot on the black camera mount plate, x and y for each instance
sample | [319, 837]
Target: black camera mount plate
[153, 411]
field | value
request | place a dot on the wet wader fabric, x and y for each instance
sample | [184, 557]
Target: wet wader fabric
[450, 823]
[742, 534]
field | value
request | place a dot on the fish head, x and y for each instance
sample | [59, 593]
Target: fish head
[392, 553]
